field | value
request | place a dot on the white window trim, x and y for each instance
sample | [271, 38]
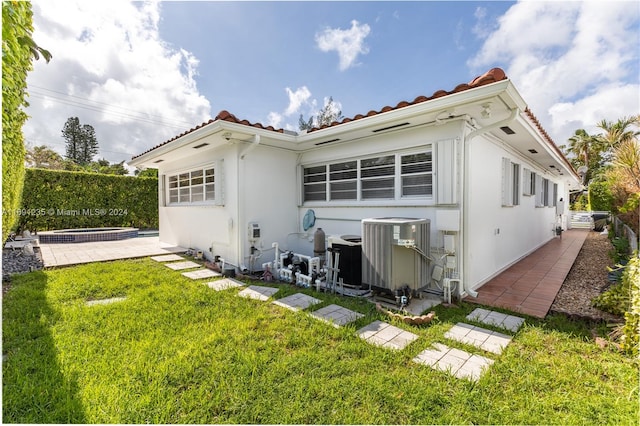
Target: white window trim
[398, 198]
[218, 176]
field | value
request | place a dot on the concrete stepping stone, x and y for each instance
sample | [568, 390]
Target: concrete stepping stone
[201, 273]
[258, 292]
[336, 315]
[167, 258]
[461, 364]
[297, 302]
[224, 284]
[178, 266]
[105, 301]
[487, 340]
[388, 336]
[498, 319]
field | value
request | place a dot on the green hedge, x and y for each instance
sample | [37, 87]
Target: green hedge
[631, 330]
[16, 62]
[57, 199]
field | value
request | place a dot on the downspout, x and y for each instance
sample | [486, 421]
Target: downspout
[240, 195]
[464, 219]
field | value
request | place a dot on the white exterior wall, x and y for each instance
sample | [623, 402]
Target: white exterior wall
[344, 217]
[497, 236]
[260, 188]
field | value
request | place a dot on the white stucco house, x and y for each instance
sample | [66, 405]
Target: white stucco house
[474, 161]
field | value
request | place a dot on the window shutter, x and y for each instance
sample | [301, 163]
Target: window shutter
[507, 200]
[446, 172]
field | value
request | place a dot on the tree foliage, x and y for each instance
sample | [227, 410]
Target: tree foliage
[43, 157]
[327, 115]
[81, 141]
[613, 161]
[18, 52]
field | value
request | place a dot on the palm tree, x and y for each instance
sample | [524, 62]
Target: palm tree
[618, 132]
[587, 150]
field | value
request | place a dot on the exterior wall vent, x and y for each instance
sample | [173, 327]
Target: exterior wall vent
[533, 151]
[200, 146]
[329, 141]
[158, 161]
[391, 127]
[508, 130]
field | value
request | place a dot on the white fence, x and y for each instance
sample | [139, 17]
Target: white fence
[583, 218]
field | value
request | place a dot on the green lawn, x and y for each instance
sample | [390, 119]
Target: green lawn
[176, 351]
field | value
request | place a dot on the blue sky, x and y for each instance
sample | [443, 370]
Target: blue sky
[141, 73]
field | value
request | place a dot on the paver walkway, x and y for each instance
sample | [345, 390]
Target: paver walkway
[258, 292]
[497, 319]
[178, 266]
[100, 251]
[167, 258]
[105, 301]
[224, 284]
[336, 315]
[531, 285]
[461, 364]
[201, 273]
[388, 336]
[297, 302]
[487, 340]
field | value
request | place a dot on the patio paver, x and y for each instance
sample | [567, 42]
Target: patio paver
[101, 251]
[498, 319]
[336, 315]
[178, 266]
[490, 341]
[258, 292]
[297, 302]
[530, 285]
[380, 333]
[461, 364]
[224, 284]
[201, 273]
[167, 258]
[105, 301]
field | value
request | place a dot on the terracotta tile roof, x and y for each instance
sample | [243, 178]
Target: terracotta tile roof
[491, 76]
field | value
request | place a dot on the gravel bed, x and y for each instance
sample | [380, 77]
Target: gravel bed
[586, 280]
[17, 261]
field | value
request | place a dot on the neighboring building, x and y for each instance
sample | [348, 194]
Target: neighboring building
[474, 161]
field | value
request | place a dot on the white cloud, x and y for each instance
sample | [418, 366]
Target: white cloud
[297, 99]
[348, 43]
[111, 69]
[300, 102]
[574, 63]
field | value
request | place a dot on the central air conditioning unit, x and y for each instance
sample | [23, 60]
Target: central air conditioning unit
[395, 253]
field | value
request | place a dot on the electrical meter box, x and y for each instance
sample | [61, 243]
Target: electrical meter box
[254, 231]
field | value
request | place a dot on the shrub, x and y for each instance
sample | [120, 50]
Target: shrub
[16, 62]
[600, 197]
[630, 340]
[57, 199]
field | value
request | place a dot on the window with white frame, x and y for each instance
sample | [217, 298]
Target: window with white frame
[510, 183]
[371, 178]
[417, 175]
[377, 178]
[528, 182]
[343, 181]
[193, 187]
[555, 194]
